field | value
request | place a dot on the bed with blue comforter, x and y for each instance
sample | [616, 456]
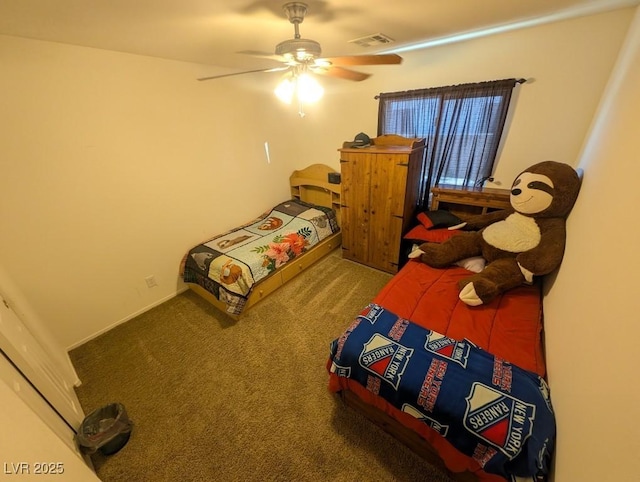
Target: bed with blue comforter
[468, 382]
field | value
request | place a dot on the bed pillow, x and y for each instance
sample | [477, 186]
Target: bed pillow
[425, 220]
[422, 234]
[438, 219]
[475, 263]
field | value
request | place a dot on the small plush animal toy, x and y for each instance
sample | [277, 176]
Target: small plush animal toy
[517, 244]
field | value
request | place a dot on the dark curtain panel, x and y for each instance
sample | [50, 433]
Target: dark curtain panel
[462, 125]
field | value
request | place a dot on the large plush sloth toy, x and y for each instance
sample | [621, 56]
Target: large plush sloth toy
[517, 244]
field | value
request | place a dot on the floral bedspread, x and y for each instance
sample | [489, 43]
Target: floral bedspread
[230, 264]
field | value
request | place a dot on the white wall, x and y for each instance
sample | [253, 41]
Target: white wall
[567, 64]
[591, 311]
[113, 165]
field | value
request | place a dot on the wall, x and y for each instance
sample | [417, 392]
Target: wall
[591, 311]
[567, 64]
[113, 165]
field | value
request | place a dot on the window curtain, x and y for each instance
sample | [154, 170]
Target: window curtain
[462, 125]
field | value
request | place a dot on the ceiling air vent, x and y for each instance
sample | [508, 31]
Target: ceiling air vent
[372, 40]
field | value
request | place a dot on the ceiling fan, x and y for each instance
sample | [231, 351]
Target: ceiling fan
[301, 55]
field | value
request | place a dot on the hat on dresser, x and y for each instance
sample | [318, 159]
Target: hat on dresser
[361, 140]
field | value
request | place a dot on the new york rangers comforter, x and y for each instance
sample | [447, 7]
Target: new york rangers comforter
[485, 407]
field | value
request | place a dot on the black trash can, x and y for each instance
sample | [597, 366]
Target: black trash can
[107, 429]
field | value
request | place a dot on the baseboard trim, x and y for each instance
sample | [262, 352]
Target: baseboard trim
[126, 318]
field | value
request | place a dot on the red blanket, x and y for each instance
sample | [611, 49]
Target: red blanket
[510, 327]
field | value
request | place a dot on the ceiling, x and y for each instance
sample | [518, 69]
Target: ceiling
[216, 32]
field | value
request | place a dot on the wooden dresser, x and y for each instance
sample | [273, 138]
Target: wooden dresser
[380, 191]
[463, 201]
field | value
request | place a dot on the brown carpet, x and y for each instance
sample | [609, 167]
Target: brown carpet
[214, 399]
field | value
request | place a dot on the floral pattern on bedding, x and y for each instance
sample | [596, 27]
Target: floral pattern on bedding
[283, 248]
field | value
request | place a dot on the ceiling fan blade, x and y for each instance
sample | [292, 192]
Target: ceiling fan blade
[262, 55]
[276, 69]
[384, 59]
[339, 72]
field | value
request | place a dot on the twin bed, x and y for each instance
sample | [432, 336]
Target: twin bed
[464, 387]
[237, 269]
[461, 386]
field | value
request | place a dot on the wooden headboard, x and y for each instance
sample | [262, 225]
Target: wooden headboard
[312, 185]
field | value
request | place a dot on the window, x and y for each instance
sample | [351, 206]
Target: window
[462, 125]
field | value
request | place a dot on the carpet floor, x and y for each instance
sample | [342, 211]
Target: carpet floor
[213, 399]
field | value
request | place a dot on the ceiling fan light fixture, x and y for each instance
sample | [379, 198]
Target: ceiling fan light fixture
[303, 87]
[285, 90]
[302, 56]
[309, 89]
